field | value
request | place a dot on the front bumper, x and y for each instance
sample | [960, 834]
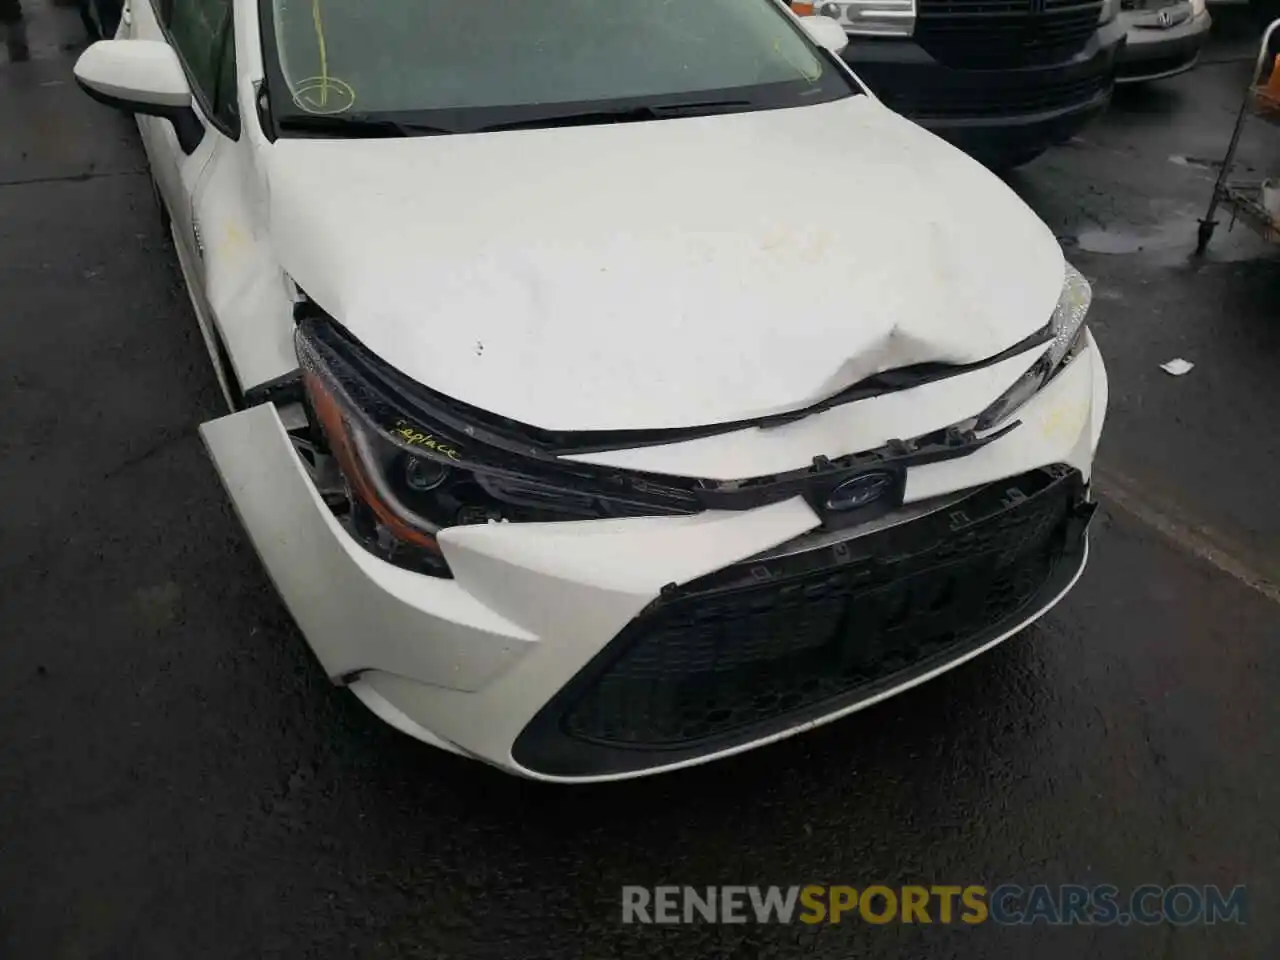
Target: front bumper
[472, 664]
[1151, 53]
[992, 114]
[783, 641]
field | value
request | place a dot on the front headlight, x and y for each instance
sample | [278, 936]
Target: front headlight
[411, 472]
[1197, 7]
[874, 18]
[1109, 10]
[1067, 331]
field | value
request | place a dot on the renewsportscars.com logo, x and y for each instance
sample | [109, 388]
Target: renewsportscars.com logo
[1007, 904]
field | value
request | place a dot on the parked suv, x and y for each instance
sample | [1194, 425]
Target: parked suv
[1002, 79]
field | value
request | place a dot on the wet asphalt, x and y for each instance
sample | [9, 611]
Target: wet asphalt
[178, 779]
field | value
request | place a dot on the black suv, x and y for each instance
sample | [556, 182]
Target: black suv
[1002, 79]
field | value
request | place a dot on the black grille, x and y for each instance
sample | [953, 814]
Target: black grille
[1005, 33]
[1041, 94]
[762, 644]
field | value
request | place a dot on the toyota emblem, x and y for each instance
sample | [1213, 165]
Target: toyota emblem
[860, 491]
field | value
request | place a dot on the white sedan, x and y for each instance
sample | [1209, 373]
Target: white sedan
[614, 386]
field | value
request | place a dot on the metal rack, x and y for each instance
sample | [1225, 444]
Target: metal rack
[1244, 197]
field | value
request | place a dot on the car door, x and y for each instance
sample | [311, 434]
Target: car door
[200, 32]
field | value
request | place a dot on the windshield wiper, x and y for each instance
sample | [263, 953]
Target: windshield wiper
[356, 125]
[363, 125]
[648, 111]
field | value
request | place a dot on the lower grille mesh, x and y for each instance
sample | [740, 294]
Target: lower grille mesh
[754, 642]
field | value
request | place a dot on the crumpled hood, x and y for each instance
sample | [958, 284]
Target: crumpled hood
[664, 274]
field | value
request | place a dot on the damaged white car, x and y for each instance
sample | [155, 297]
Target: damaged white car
[615, 385]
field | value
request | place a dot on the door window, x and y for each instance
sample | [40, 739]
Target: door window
[201, 32]
[225, 105]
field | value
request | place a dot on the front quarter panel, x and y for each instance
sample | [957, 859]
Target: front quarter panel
[545, 597]
[245, 287]
[357, 613]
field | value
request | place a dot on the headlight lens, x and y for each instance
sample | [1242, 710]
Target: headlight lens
[1197, 7]
[1067, 328]
[1069, 315]
[409, 477]
[882, 18]
[1109, 10]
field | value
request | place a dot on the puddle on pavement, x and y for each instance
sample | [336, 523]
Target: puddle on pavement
[1175, 241]
[1107, 241]
[1201, 163]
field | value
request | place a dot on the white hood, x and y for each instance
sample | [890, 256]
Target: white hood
[663, 274]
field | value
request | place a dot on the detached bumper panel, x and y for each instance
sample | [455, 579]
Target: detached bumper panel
[767, 645]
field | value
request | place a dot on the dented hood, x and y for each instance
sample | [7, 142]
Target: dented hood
[664, 274]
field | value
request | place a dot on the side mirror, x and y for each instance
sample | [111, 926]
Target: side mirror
[825, 32]
[141, 76]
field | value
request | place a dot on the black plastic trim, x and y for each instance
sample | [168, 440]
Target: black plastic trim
[208, 115]
[187, 126]
[545, 748]
[902, 73]
[517, 436]
[498, 443]
[286, 388]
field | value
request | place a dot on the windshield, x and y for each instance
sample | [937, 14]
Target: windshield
[476, 65]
